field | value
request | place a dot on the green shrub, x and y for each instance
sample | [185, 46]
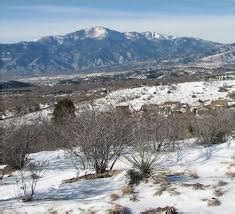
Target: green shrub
[134, 177]
[64, 110]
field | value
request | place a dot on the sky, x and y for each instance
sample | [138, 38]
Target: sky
[25, 20]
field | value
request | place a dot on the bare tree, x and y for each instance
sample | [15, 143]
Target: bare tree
[97, 139]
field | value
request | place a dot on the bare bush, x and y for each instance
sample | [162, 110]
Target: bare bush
[97, 139]
[163, 132]
[213, 128]
[27, 180]
[18, 141]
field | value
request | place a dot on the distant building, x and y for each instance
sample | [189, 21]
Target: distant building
[219, 104]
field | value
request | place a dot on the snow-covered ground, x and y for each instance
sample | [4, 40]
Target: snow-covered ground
[188, 92]
[211, 165]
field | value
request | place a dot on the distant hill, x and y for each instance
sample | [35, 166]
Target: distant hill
[99, 47]
[14, 85]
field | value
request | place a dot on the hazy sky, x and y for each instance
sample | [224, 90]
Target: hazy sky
[31, 19]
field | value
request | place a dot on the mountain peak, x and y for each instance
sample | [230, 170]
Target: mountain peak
[97, 32]
[148, 35]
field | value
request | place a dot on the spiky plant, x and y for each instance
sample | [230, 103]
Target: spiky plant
[144, 161]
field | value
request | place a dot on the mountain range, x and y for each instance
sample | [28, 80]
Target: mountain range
[99, 47]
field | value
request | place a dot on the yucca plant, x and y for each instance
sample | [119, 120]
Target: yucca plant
[144, 161]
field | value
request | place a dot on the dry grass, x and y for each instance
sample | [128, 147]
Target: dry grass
[192, 174]
[126, 190]
[114, 196]
[159, 210]
[218, 192]
[52, 212]
[163, 188]
[134, 198]
[173, 192]
[231, 173]
[232, 164]
[166, 187]
[213, 202]
[118, 209]
[196, 186]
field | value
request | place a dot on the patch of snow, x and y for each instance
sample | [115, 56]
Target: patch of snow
[211, 165]
[183, 92]
[97, 32]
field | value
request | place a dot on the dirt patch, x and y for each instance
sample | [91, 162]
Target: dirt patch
[196, 186]
[92, 176]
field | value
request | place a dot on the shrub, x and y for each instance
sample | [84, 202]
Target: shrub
[165, 210]
[98, 139]
[218, 192]
[222, 89]
[134, 177]
[18, 141]
[222, 183]
[64, 110]
[1, 174]
[118, 210]
[144, 161]
[213, 128]
[213, 202]
[27, 180]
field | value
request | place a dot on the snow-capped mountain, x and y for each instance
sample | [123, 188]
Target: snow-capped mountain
[98, 47]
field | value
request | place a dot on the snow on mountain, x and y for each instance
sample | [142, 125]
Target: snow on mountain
[147, 35]
[153, 35]
[100, 47]
[96, 32]
[221, 57]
